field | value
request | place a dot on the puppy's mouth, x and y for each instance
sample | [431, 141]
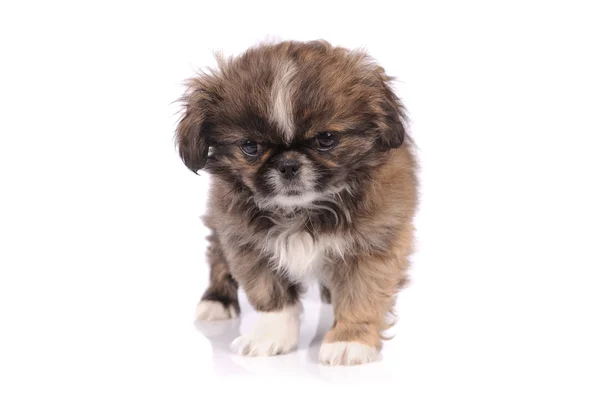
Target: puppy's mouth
[304, 188]
[292, 200]
[290, 191]
[295, 199]
[294, 195]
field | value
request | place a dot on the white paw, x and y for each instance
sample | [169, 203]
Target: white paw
[274, 333]
[347, 353]
[214, 310]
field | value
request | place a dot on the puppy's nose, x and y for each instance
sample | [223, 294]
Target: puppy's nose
[288, 168]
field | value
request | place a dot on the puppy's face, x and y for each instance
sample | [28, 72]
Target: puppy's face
[293, 122]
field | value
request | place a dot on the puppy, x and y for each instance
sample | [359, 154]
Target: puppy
[313, 177]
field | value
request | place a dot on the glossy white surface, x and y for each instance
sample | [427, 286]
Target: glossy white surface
[102, 252]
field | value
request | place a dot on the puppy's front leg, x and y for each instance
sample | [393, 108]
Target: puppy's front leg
[277, 302]
[362, 293]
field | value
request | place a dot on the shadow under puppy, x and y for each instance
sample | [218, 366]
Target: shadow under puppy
[313, 178]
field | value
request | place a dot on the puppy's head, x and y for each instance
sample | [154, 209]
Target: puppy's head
[293, 122]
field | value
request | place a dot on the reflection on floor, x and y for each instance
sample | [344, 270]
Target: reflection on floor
[316, 320]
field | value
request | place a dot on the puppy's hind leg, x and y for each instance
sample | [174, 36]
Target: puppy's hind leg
[220, 300]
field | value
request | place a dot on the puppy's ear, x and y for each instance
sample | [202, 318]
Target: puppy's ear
[194, 128]
[392, 129]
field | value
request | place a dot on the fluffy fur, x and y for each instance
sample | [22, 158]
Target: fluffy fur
[313, 178]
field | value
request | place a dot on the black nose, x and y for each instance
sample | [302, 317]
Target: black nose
[288, 167]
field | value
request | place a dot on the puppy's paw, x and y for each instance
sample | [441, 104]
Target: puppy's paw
[214, 310]
[342, 353]
[249, 345]
[274, 333]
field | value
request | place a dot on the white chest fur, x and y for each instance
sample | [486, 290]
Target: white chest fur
[300, 256]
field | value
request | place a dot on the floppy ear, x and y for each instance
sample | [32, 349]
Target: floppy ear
[392, 130]
[193, 130]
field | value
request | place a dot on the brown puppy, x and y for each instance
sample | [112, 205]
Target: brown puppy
[313, 178]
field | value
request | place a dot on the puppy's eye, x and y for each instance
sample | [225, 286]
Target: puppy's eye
[250, 148]
[325, 141]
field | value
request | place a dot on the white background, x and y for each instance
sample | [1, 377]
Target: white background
[101, 248]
